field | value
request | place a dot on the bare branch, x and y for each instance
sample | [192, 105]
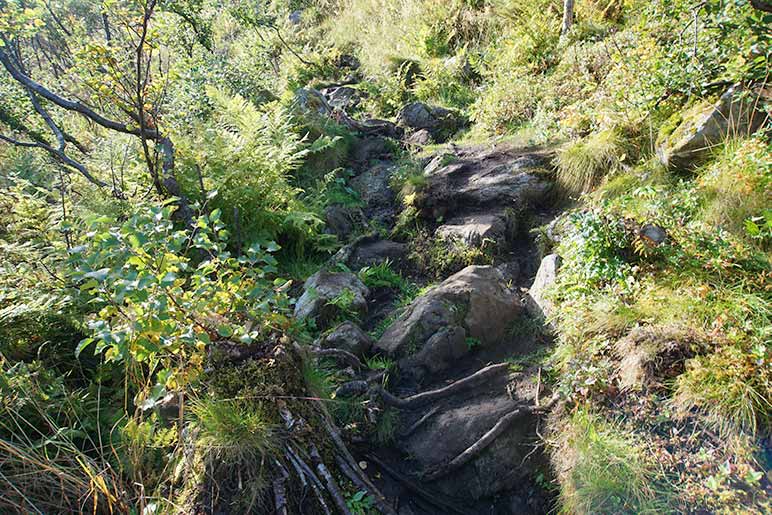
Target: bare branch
[70, 105]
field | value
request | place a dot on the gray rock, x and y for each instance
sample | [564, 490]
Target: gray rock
[343, 221]
[348, 336]
[371, 250]
[440, 122]
[295, 17]
[476, 229]
[420, 138]
[706, 125]
[483, 181]
[510, 270]
[653, 234]
[500, 467]
[311, 101]
[536, 302]
[342, 97]
[367, 149]
[322, 288]
[474, 303]
[374, 190]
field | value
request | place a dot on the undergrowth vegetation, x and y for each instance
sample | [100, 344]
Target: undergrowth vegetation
[164, 188]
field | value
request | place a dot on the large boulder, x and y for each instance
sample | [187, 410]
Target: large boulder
[330, 294]
[482, 181]
[349, 337]
[440, 122]
[685, 144]
[537, 303]
[472, 306]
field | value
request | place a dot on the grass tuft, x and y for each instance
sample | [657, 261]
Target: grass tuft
[583, 163]
[606, 470]
[234, 431]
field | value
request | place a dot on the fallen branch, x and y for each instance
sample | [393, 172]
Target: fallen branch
[316, 484]
[477, 447]
[422, 398]
[345, 454]
[279, 490]
[332, 486]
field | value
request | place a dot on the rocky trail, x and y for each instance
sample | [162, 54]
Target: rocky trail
[465, 393]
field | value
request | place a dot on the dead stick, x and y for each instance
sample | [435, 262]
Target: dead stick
[280, 491]
[316, 485]
[346, 454]
[538, 387]
[332, 486]
[477, 447]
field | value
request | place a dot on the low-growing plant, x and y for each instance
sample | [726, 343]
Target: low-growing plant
[607, 471]
[583, 163]
[730, 387]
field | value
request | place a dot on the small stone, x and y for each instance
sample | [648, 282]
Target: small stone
[653, 234]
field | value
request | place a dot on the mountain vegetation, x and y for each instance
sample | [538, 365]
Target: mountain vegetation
[385, 256]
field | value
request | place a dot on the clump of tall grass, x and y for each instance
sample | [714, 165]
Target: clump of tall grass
[584, 163]
[48, 461]
[605, 470]
[737, 185]
[730, 388]
[233, 431]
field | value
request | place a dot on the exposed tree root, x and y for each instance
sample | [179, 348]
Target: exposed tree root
[422, 398]
[477, 447]
[411, 485]
[351, 389]
[340, 354]
[410, 430]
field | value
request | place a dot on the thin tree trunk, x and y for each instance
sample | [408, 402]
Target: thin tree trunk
[568, 16]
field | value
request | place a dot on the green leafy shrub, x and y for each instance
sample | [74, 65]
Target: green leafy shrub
[160, 308]
[242, 166]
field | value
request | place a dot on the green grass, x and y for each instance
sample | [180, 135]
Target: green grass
[729, 388]
[234, 431]
[607, 471]
[386, 428]
[583, 163]
[383, 275]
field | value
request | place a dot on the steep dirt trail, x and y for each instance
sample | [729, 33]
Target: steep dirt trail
[466, 388]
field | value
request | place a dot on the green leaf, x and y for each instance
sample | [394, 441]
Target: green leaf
[99, 275]
[85, 342]
[225, 331]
